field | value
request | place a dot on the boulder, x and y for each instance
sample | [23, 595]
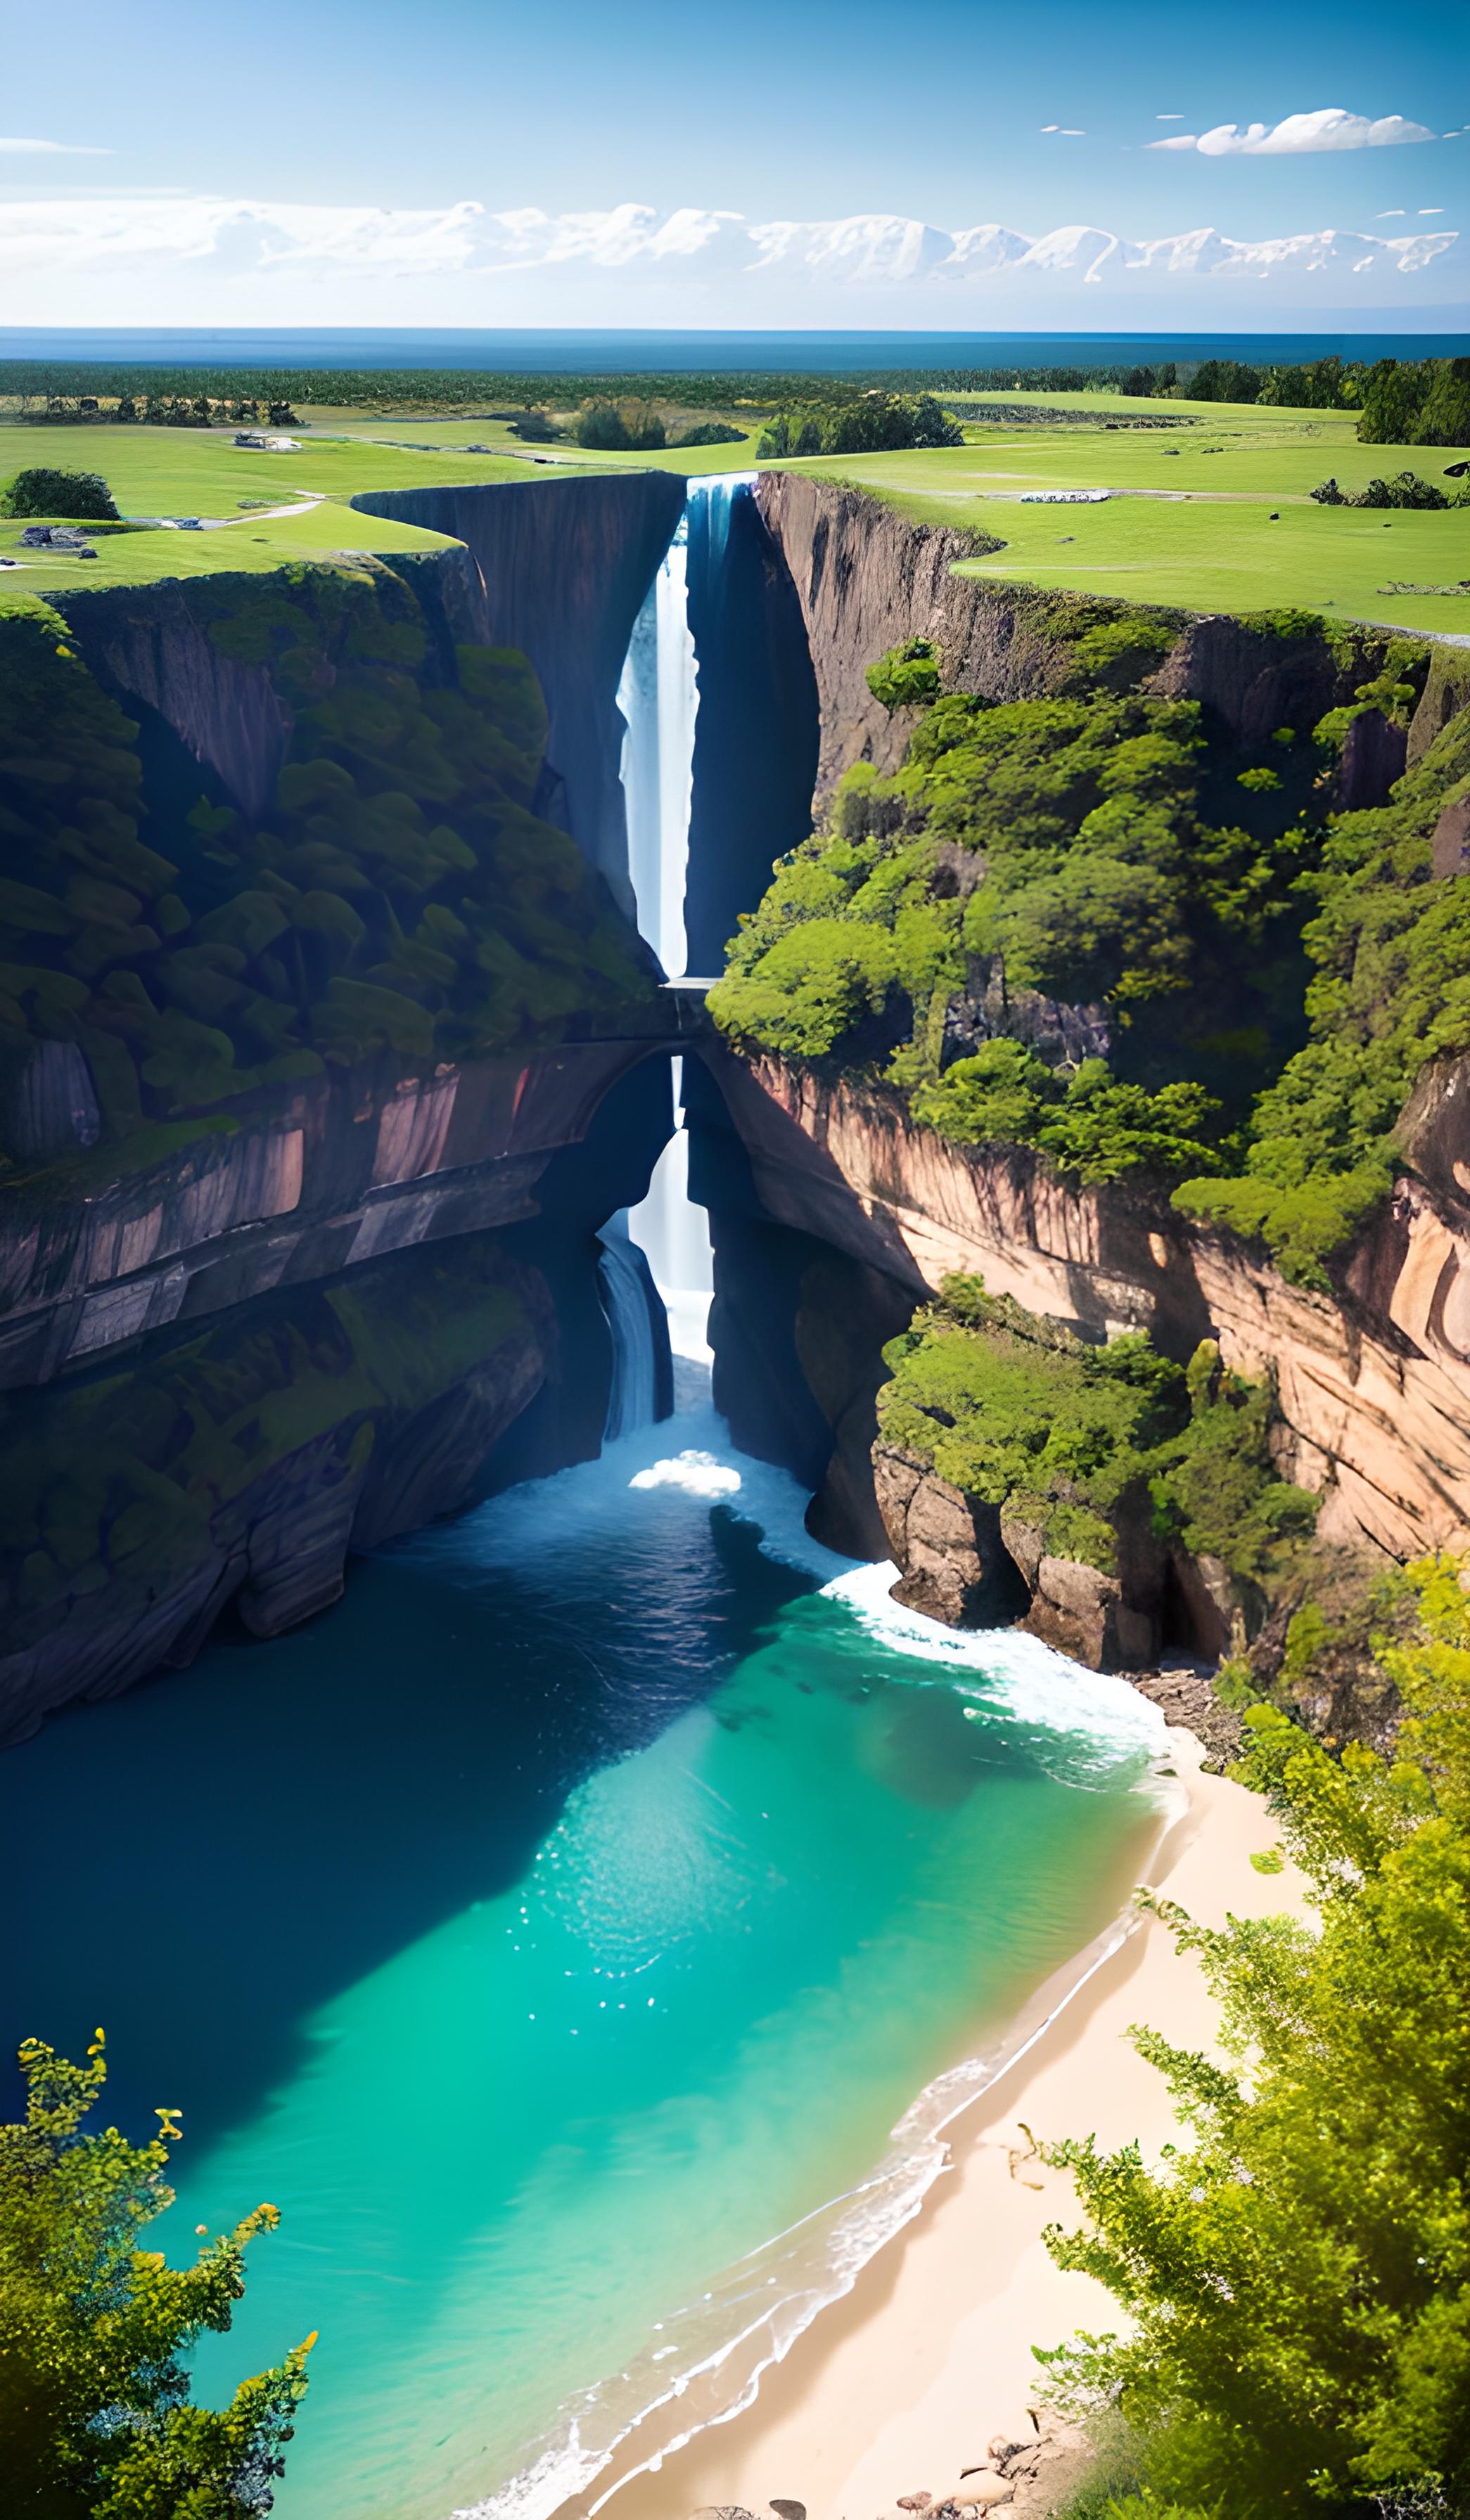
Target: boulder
[1083, 1612]
[954, 1565]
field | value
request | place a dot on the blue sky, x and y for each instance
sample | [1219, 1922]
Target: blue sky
[931, 112]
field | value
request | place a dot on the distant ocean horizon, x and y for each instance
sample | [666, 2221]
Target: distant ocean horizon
[624, 352]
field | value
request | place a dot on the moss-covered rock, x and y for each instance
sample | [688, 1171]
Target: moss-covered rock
[1128, 1500]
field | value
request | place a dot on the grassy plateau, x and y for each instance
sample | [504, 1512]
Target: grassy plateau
[1209, 504]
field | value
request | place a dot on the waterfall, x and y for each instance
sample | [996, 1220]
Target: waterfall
[624, 1286]
[658, 697]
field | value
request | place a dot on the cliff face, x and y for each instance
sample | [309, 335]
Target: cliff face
[1373, 1382]
[320, 1052]
[562, 570]
[865, 578]
[868, 578]
[343, 1169]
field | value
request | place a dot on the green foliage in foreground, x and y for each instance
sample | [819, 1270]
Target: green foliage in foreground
[95, 2417]
[1296, 2275]
[1076, 1441]
[41, 491]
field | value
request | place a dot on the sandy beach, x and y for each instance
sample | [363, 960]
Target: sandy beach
[903, 2383]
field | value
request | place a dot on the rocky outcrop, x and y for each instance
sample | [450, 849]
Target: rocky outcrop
[563, 568]
[1373, 1380]
[954, 1561]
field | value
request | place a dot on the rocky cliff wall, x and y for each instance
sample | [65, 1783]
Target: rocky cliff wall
[320, 1058]
[1374, 1380]
[564, 566]
[225, 1373]
[868, 577]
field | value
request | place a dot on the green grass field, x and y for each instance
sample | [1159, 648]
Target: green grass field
[200, 473]
[1190, 523]
[1194, 527]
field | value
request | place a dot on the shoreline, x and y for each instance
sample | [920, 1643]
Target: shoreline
[903, 2381]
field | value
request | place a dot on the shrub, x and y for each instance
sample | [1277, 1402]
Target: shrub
[1225, 381]
[617, 427]
[711, 432]
[907, 675]
[1404, 490]
[41, 491]
[1020, 1412]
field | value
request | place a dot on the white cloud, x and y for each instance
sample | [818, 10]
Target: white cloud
[49, 148]
[128, 258]
[1299, 135]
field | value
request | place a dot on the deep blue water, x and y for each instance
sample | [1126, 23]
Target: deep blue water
[568, 1914]
[593, 353]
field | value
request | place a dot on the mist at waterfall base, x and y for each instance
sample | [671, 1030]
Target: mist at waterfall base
[576, 1906]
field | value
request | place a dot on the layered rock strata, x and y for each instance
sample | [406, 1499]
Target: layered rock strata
[1372, 1378]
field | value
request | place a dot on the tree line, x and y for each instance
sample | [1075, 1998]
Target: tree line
[1397, 397]
[1399, 403]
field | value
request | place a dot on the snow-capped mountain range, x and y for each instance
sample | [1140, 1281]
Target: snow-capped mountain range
[710, 265]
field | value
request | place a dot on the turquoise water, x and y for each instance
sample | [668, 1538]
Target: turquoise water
[580, 1905]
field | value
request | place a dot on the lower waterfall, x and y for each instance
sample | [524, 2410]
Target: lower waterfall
[627, 1296]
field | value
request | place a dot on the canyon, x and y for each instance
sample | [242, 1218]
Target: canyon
[257, 1334]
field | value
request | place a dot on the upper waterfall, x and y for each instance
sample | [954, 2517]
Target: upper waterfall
[658, 697]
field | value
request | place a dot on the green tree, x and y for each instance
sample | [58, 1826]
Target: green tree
[1297, 2274]
[1394, 393]
[1225, 381]
[95, 2417]
[42, 491]
[711, 432]
[1445, 420]
[616, 427]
